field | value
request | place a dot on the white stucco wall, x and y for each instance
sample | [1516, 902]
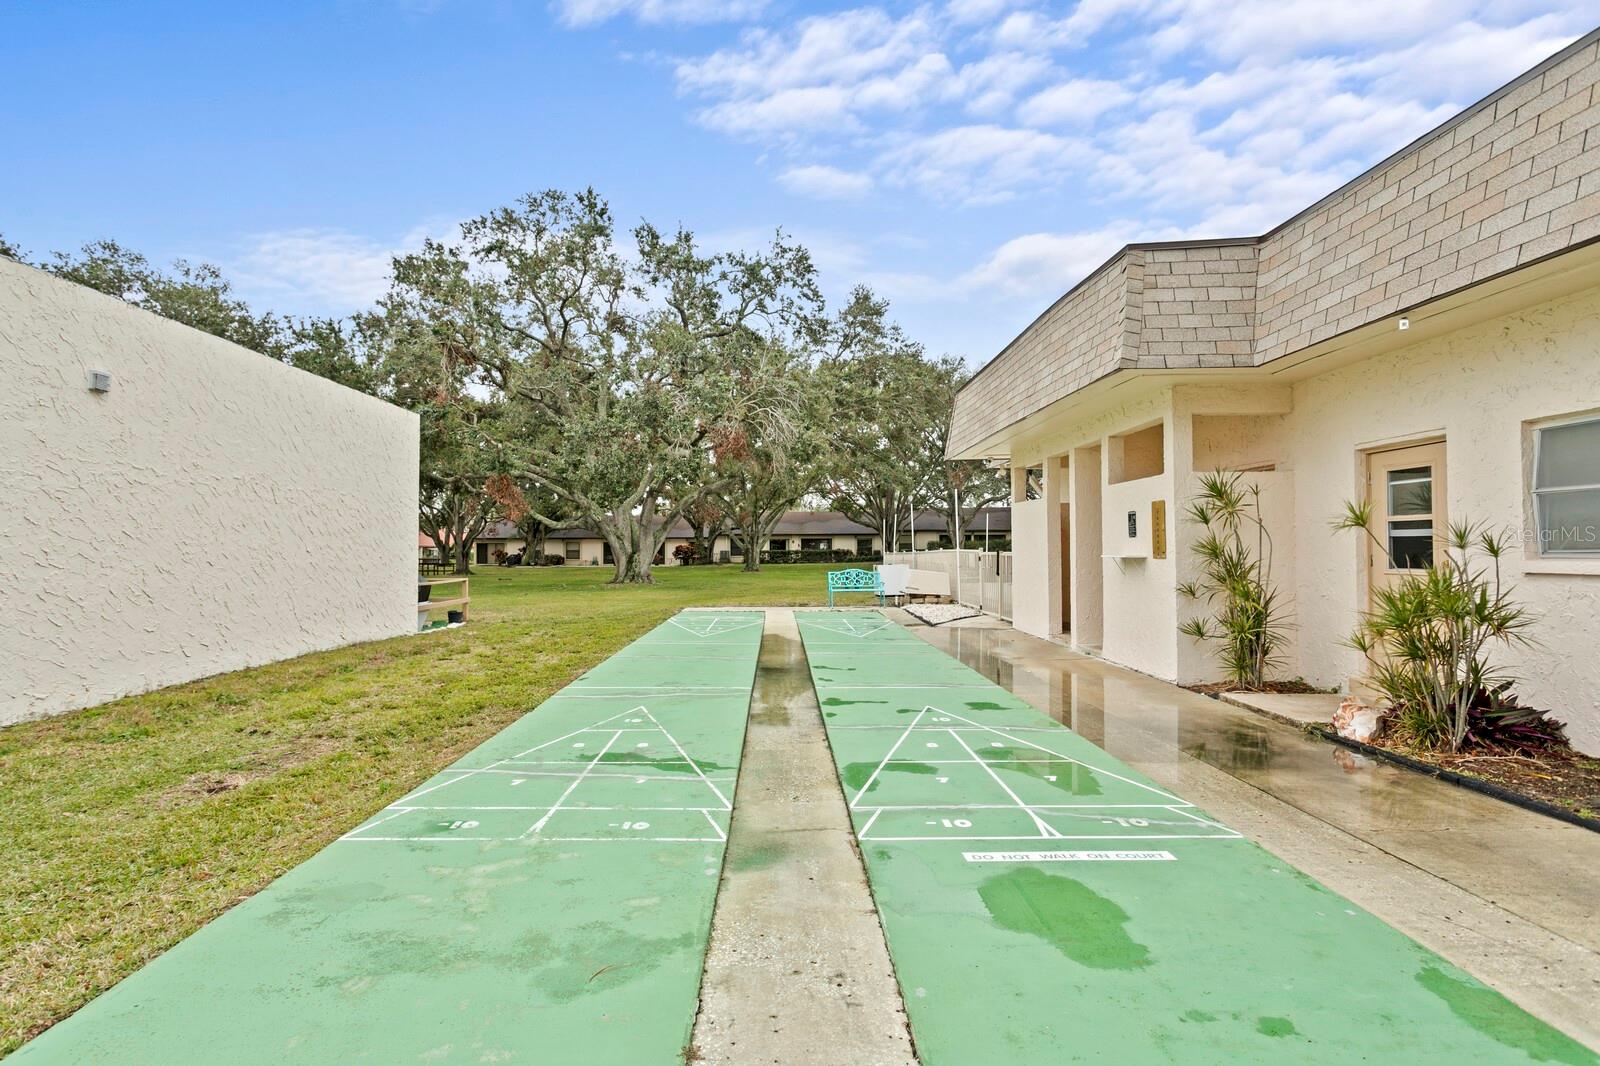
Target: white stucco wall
[1479, 388]
[1476, 387]
[1141, 621]
[1030, 589]
[216, 509]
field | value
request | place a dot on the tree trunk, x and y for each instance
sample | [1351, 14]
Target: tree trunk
[631, 554]
[757, 531]
[632, 569]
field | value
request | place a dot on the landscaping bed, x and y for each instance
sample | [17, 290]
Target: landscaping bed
[1559, 782]
[1216, 688]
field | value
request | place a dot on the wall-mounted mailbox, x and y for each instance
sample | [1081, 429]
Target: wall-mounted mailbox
[1158, 529]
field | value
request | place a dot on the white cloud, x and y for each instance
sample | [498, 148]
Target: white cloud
[990, 85]
[1178, 118]
[843, 49]
[1073, 103]
[981, 163]
[787, 112]
[1037, 264]
[825, 182]
[322, 271]
[592, 12]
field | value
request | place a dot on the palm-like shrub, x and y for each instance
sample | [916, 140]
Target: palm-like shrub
[1235, 552]
[1428, 635]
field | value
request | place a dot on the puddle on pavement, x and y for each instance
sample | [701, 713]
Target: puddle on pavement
[857, 774]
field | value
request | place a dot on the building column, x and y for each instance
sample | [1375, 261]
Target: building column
[1058, 569]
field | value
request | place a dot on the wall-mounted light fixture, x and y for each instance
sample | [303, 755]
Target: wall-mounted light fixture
[99, 381]
[1404, 324]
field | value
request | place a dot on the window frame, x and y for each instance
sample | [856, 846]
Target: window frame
[1541, 544]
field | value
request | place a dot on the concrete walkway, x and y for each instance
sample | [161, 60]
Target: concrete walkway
[797, 971]
[1503, 893]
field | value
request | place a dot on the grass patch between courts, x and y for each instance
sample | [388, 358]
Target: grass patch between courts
[131, 824]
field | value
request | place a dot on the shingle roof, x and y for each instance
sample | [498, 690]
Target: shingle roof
[1503, 185]
[824, 524]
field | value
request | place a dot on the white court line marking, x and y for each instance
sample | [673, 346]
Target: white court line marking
[575, 783]
[371, 825]
[1059, 836]
[853, 630]
[662, 689]
[520, 772]
[1174, 805]
[557, 840]
[913, 686]
[879, 769]
[587, 772]
[509, 759]
[712, 629]
[1031, 806]
[543, 806]
[513, 758]
[1045, 828]
[726, 805]
[1205, 821]
[1068, 758]
[964, 729]
[720, 834]
[857, 623]
[638, 694]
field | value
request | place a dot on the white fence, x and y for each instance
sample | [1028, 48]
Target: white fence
[977, 578]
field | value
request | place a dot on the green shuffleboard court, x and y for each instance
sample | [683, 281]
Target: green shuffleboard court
[1045, 903]
[547, 899]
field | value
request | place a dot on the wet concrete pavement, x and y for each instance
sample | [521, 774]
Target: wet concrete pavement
[797, 971]
[1507, 894]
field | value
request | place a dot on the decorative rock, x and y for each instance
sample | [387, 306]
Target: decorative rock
[1354, 720]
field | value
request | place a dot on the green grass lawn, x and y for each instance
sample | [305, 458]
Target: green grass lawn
[131, 824]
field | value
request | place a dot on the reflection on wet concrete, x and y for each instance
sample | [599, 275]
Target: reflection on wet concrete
[1544, 870]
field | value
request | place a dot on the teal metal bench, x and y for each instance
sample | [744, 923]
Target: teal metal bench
[854, 580]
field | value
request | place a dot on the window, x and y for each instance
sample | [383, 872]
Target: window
[572, 551]
[605, 554]
[816, 544]
[1410, 539]
[1566, 487]
[863, 545]
[778, 544]
[736, 547]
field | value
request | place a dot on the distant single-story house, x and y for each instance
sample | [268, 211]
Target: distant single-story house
[795, 531]
[496, 536]
[1426, 338]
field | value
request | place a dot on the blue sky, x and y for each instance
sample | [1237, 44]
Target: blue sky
[969, 159]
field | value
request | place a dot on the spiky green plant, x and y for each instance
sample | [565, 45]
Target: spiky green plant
[1247, 615]
[1428, 634]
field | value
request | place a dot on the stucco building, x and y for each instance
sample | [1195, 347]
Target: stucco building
[1427, 337]
[179, 506]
